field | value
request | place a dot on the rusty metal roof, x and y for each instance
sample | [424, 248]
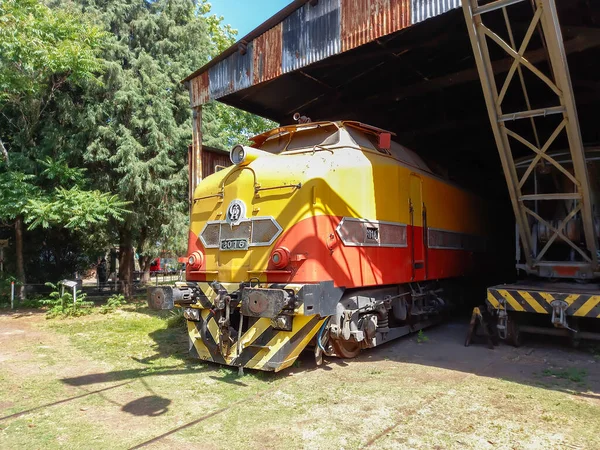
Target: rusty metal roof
[401, 65]
[305, 32]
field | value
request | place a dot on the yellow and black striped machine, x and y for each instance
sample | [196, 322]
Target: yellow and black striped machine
[553, 180]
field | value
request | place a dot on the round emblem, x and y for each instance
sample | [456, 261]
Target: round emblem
[236, 212]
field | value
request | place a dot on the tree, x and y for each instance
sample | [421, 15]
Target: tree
[43, 54]
[140, 123]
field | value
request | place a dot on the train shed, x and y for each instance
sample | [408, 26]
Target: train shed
[402, 65]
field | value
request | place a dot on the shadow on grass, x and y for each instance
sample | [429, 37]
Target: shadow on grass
[151, 406]
[65, 400]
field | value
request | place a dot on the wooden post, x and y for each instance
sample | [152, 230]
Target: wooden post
[195, 156]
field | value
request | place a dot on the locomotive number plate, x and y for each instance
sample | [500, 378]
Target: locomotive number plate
[234, 244]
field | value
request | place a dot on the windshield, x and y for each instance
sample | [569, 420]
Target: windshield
[302, 138]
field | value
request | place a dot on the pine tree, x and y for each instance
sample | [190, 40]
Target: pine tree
[140, 120]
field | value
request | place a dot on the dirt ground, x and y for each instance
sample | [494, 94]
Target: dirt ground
[124, 381]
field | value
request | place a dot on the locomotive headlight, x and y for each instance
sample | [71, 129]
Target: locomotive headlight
[195, 260]
[280, 257]
[238, 154]
[241, 155]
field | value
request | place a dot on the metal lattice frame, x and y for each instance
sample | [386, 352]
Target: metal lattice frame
[545, 21]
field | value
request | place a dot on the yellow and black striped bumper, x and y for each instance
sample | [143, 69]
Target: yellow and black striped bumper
[261, 346]
[525, 299]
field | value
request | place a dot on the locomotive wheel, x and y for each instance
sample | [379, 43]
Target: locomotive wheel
[346, 349]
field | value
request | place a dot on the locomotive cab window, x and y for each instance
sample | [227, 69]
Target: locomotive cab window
[306, 137]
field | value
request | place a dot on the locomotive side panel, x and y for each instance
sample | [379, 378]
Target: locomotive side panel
[353, 185]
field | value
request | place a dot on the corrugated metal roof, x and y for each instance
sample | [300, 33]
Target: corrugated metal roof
[310, 34]
[303, 33]
[425, 9]
[364, 21]
[199, 90]
[231, 74]
[267, 55]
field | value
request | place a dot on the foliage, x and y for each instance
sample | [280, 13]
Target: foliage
[176, 318]
[46, 55]
[40, 45]
[222, 35]
[224, 126]
[17, 189]
[63, 305]
[112, 304]
[5, 286]
[421, 337]
[74, 209]
[96, 123]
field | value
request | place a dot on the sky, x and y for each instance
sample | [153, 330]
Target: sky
[246, 15]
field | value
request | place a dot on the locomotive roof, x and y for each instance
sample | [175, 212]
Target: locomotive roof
[260, 138]
[352, 139]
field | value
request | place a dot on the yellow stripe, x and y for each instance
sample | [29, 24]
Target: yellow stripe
[587, 306]
[571, 298]
[211, 325]
[280, 339]
[533, 302]
[196, 339]
[253, 333]
[493, 301]
[299, 347]
[510, 299]
[209, 292]
[547, 297]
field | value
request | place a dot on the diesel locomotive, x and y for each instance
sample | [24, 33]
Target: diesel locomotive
[322, 234]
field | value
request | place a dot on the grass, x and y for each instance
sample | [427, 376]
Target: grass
[572, 374]
[125, 377]
[421, 337]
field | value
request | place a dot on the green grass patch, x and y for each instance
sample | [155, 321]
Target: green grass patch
[572, 374]
[133, 334]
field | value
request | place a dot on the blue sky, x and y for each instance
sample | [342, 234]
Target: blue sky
[246, 15]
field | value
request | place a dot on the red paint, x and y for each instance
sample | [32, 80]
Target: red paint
[328, 259]
[195, 245]
[565, 271]
[317, 254]
[280, 258]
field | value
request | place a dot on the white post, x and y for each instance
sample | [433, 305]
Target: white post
[74, 295]
[12, 295]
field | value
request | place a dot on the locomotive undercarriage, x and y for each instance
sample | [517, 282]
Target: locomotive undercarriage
[266, 327]
[369, 317]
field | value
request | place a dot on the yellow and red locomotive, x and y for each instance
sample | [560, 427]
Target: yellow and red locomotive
[324, 233]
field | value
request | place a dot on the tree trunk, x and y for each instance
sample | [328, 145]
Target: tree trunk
[126, 263]
[145, 268]
[19, 255]
[143, 259]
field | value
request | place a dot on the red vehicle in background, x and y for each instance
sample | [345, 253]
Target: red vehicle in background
[166, 265]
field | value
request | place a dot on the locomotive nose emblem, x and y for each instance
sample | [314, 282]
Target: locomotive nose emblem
[236, 212]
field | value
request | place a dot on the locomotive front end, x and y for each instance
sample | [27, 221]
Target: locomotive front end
[240, 306]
